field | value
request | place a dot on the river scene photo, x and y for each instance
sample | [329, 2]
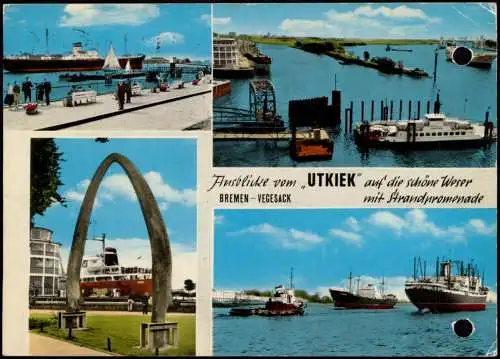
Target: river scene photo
[414, 34]
[325, 331]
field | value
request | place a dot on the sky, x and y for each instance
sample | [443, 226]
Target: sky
[390, 20]
[255, 249]
[184, 30]
[117, 213]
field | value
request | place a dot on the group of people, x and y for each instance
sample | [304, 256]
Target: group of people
[123, 91]
[145, 303]
[13, 96]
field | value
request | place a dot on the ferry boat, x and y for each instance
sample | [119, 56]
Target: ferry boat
[365, 297]
[77, 60]
[103, 273]
[482, 56]
[435, 130]
[462, 290]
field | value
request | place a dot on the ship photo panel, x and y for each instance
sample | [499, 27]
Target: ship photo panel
[355, 282]
[113, 246]
[355, 85]
[107, 67]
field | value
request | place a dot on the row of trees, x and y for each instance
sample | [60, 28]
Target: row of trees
[314, 298]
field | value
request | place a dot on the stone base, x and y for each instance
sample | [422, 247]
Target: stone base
[77, 319]
[166, 335]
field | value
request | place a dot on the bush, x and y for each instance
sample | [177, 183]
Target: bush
[37, 323]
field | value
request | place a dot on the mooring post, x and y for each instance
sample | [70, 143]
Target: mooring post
[157, 352]
[109, 344]
[418, 109]
[391, 108]
[400, 109]
[337, 110]
[363, 111]
[346, 119]
[382, 110]
[428, 106]
[373, 108]
[435, 64]
[350, 116]
[409, 110]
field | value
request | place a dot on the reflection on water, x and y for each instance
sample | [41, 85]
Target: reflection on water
[464, 92]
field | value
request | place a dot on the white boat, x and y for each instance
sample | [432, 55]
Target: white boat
[482, 56]
[111, 61]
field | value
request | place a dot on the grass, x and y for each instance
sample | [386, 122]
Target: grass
[124, 333]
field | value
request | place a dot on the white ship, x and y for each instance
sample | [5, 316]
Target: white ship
[482, 56]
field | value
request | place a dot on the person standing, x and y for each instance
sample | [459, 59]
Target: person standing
[47, 87]
[129, 90]
[120, 94]
[27, 86]
[9, 98]
[17, 94]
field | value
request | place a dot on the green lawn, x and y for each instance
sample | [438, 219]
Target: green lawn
[124, 333]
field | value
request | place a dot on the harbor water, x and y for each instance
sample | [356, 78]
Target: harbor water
[325, 331]
[465, 92]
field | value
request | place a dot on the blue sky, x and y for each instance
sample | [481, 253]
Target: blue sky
[257, 248]
[184, 30]
[172, 178]
[390, 20]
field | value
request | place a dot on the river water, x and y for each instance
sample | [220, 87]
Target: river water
[465, 92]
[326, 331]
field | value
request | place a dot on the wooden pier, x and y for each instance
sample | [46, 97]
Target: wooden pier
[273, 136]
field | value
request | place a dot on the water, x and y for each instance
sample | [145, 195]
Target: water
[297, 74]
[60, 88]
[326, 331]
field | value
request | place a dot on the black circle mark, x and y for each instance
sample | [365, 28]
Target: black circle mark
[462, 55]
[463, 328]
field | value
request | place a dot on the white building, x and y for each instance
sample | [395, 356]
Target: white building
[46, 271]
[225, 52]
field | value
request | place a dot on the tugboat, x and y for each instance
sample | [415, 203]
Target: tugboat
[366, 297]
[447, 292]
[435, 130]
[282, 303]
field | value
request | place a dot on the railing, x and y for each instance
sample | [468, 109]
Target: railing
[231, 114]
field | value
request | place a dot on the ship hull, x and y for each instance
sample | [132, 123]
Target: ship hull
[126, 287]
[60, 65]
[346, 300]
[421, 145]
[438, 301]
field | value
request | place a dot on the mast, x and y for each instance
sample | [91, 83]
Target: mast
[414, 268]
[47, 40]
[125, 38]
[350, 281]
[437, 269]
[291, 277]
[357, 285]
[382, 286]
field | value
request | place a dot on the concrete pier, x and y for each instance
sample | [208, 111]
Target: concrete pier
[272, 136]
[176, 109]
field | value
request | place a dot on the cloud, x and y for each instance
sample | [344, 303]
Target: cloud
[348, 237]
[119, 186]
[492, 296]
[137, 252]
[207, 19]
[353, 223]
[480, 227]
[288, 238]
[387, 219]
[297, 27]
[366, 12]
[79, 15]
[221, 20]
[219, 219]
[166, 38]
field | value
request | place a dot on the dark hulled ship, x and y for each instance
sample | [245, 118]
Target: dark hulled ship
[454, 287]
[365, 297]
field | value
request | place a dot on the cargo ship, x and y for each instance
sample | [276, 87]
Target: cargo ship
[454, 287]
[365, 297]
[482, 56]
[433, 131]
[77, 60]
[102, 273]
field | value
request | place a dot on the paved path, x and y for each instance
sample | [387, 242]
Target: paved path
[46, 346]
[187, 106]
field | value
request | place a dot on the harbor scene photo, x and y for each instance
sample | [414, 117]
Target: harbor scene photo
[355, 282]
[355, 85]
[112, 250]
[107, 66]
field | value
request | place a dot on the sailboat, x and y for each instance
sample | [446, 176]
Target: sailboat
[128, 68]
[111, 62]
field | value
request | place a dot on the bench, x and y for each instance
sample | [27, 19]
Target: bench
[83, 96]
[136, 90]
[76, 320]
[180, 85]
[168, 329]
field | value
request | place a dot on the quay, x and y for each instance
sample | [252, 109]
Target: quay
[176, 109]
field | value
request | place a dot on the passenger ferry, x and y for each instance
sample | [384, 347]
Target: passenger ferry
[102, 274]
[434, 131]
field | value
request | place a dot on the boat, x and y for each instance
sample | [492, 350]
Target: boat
[434, 130]
[77, 60]
[482, 56]
[455, 287]
[102, 274]
[365, 297]
[282, 303]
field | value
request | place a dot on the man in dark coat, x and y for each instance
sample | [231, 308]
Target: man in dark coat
[47, 87]
[120, 94]
[129, 90]
[27, 85]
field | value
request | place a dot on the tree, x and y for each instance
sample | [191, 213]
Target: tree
[45, 176]
[366, 55]
[189, 285]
